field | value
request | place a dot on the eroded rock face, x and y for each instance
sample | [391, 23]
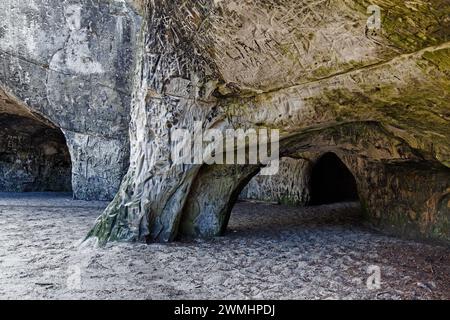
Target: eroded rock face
[271, 68]
[72, 62]
[379, 100]
[290, 185]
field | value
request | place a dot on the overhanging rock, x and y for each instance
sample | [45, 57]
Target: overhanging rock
[377, 99]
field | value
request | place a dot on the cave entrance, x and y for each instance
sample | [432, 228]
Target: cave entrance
[331, 181]
[33, 155]
[289, 201]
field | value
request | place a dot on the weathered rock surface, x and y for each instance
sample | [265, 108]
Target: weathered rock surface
[379, 100]
[290, 185]
[309, 69]
[72, 62]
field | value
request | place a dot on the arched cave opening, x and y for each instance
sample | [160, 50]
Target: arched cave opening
[289, 201]
[331, 181]
[285, 203]
[34, 156]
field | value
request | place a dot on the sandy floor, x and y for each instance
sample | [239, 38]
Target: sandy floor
[270, 252]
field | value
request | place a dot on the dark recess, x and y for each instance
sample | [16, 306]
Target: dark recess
[332, 182]
[33, 156]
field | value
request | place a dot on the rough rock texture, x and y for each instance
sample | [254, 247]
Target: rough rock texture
[378, 99]
[308, 68]
[211, 199]
[71, 62]
[290, 185]
[33, 156]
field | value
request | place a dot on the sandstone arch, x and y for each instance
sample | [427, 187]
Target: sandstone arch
[213, 194]
[211, 199]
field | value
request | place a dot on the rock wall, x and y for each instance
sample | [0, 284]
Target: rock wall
[290, 186]
[72, 63]
[404, 198]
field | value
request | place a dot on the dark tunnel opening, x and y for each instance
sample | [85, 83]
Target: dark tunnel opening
[331, 181]
[33, 156]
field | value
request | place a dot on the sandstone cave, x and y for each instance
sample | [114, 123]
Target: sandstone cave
[331, 181]
[379, 100]
[91, 93]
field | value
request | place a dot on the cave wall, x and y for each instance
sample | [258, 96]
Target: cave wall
[72, 62]
[390, 177]
[33, 157]
[289, 186]
[402, 192]
[406, 198]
